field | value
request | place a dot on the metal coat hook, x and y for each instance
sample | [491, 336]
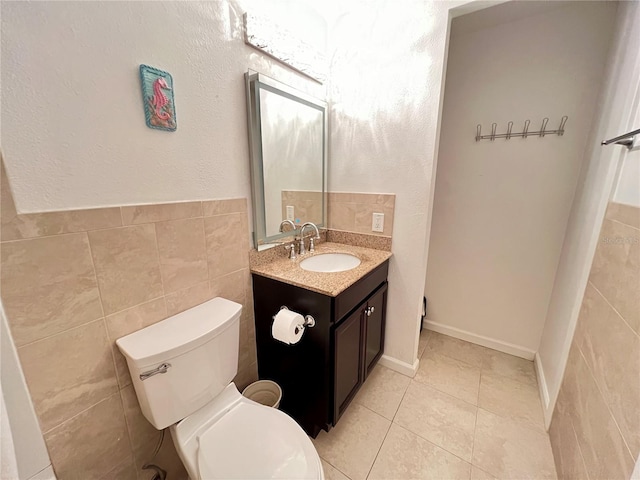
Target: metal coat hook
[525, 131]
[545, 120]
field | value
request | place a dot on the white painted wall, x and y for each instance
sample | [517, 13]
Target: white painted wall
[30, 451]
[501, 208]
[73, 132]
[386, 75]
[614, 116]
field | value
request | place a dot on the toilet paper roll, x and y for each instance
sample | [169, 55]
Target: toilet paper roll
[287, 326]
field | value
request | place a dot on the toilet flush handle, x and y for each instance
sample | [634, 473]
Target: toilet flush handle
[162, 368]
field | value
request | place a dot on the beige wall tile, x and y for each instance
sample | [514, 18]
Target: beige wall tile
[188, 297]
[364, 219]
[221, 207]
[440, 418]
[128, 321]
[627, 214]
[231, 286]
[352, 445]
[68, 372]
[479, 474]
[137, 214]
[307, 205]
[144, 436]
[124, 471]
[182, 250]
[342, 216]
[405, 455]
[506, 448]
[126, 261]
[227, 243]
[566, 452]
[596, 430]
[48, 285]
[612, 352]
[615, 271]
[449, 375]
[57, 223]
[91, 443]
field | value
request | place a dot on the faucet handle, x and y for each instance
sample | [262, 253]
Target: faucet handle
[292, 250]
[312, 247]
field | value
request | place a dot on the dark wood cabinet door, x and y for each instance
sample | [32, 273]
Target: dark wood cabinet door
[374, 318]
[348, 361]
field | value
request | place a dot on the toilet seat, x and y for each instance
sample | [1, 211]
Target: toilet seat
[233, 437]
[251, 441]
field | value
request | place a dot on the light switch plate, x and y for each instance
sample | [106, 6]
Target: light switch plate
[290, 213]
[377, 225]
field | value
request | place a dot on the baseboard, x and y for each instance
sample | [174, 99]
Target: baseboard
[399, 366]
[499, 345]
[544, 391]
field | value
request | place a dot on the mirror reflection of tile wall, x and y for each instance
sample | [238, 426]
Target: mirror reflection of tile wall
[307, 206]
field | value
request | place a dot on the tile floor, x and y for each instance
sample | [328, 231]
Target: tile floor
[470, 413]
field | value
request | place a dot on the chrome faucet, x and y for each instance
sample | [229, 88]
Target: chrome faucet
[303, 250]
[292, 246]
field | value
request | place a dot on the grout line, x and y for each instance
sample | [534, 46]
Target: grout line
[621, 223]
[75, 327]
[575, 436]
[606, 403]
[155, 235]
[589, 282]
[80, 413]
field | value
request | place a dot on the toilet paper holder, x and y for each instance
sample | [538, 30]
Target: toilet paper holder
[309, 321]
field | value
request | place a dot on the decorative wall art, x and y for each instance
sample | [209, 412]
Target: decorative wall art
[157, 98]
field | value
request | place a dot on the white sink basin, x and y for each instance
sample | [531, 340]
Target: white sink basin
[330, 262]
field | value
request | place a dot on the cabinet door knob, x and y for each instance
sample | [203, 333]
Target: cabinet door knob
[369, 311]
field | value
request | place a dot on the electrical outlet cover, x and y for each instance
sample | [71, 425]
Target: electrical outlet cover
[377, 224]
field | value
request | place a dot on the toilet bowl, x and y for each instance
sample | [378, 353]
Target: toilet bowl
[182, 369]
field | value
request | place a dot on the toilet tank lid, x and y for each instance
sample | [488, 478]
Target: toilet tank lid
[178, 334]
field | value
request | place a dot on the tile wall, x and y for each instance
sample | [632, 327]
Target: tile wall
[352, 212]
[73, 282]
[307, 205]
[595, 430]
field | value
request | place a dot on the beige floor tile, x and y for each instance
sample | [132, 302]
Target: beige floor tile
[405, 455]
[450, 376]
[456, 348]
[440, 418]
[509, 366]
[509, 398]
[352, 445]
[510, 449]
[331, 472]
[383, 391]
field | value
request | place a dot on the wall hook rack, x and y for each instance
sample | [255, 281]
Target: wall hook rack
[525, 130]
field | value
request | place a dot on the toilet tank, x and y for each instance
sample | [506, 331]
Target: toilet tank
[198, 352]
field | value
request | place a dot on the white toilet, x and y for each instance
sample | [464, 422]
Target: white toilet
[182, 368]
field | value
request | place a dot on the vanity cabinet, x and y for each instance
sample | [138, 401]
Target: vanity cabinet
[321, 374]
[358, 343]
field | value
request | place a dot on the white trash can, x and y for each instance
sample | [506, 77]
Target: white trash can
[264, 392]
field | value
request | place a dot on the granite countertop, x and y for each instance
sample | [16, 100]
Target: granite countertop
[327, 283]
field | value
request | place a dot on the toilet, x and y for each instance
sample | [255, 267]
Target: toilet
[182, 369]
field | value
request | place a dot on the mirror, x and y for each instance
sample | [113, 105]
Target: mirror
[288, 140]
